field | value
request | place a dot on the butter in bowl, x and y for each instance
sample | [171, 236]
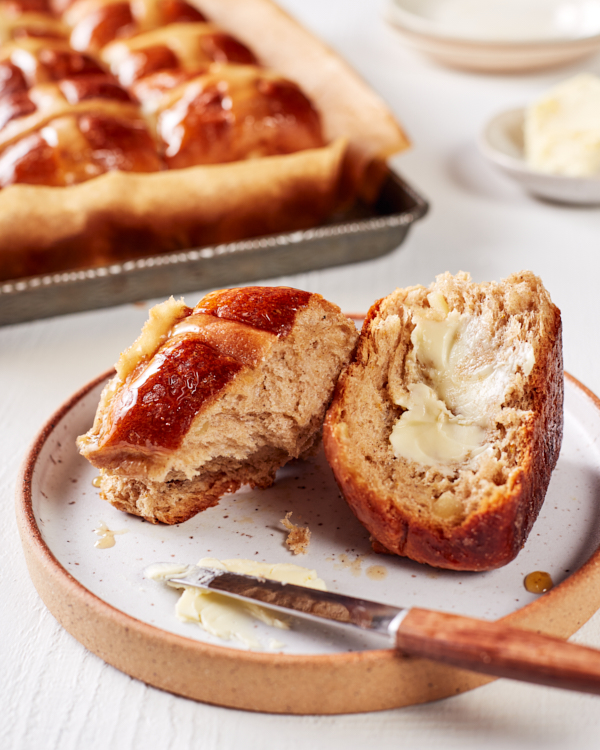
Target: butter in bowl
[552, 147]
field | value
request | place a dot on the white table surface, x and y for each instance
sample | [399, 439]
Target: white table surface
[54, 693]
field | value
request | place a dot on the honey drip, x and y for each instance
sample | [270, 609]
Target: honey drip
[538, 582]
[107, 536]
[96, 481]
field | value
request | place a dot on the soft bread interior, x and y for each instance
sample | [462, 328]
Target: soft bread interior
[275, 408]
[503, 331]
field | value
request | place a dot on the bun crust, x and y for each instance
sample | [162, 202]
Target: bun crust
[158, 127]
[214, 397]
[124, 215]
[495, 497]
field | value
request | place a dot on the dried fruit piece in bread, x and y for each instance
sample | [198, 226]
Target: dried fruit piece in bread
[446, 426]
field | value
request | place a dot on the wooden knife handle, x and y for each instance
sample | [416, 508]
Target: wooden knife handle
[497, 649]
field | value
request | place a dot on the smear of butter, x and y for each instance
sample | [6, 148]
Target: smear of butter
[447, 417]
[225, 617]
[163, 571]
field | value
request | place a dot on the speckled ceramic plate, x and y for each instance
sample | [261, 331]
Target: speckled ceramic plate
[102, 598]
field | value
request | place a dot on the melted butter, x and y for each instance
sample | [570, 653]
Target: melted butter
[428, 432]
[97, 481]
[155, 331]
[225, 617]
[354, 566]
[538, 582]
[447, 505]
[107, 536]
[377, 572]
[447, 417]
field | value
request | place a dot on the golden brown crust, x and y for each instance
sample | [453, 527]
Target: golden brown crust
[492, 534]
[233, 338]
[123, 215]
[120, 216]
[37, 24]
[194, 417]
[348, 106]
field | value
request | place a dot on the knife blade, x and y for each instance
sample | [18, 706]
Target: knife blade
[492, 648]
[305, 602]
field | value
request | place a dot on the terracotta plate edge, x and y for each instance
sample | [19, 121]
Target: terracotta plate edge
[274, 683]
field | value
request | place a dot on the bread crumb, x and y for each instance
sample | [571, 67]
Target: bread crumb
[299, 537]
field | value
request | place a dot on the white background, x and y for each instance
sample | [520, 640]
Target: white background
[57, 695]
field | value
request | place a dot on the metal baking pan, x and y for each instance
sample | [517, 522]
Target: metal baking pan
[363, 234]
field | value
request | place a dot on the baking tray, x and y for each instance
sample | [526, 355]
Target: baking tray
[366, 232]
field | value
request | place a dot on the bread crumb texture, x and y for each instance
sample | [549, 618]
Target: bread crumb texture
[468, 514]
[298, 538]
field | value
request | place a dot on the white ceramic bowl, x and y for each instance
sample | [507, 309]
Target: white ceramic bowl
[501, 142]
[499, 35]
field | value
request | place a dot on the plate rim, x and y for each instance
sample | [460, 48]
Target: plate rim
[261, 681]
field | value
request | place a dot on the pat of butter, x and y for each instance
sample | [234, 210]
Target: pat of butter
[429, 433]
[231, 619]
[562, 129]
[447, 415]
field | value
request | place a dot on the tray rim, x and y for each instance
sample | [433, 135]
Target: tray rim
[259, 681]
[347, 239]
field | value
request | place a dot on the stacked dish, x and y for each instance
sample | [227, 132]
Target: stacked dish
[499, 35]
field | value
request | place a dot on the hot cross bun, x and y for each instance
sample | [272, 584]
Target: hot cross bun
[228, 139]
[216, 396]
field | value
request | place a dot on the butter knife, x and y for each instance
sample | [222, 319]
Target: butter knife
[468, 643]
